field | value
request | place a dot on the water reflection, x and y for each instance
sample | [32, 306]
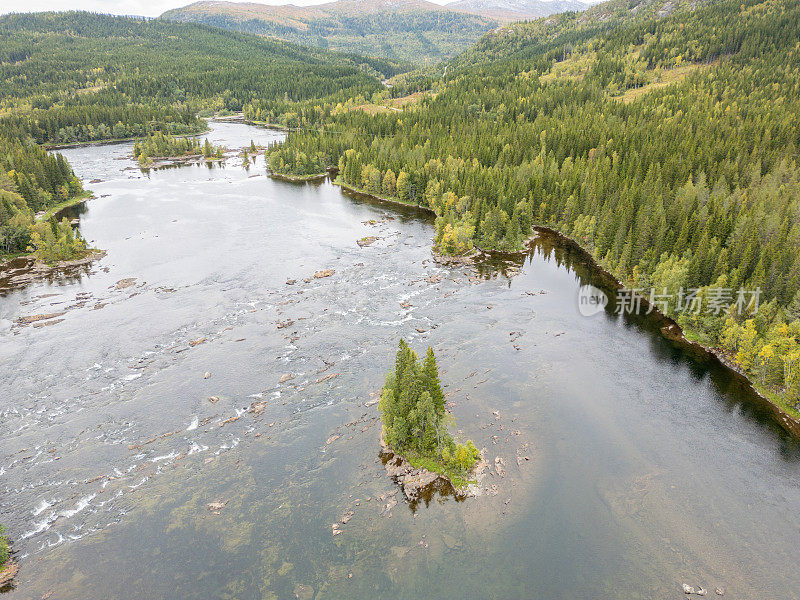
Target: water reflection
[630, 465]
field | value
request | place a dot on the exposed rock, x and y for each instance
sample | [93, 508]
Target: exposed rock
[35, 318]
[206, 375]
[287, 323]
[327, 377]
[213, 399]
[366, 241]
[332, 439]
[372, 402]
[323, 273]
[256, 408]
[687, 589]
[291, 281]
[415, 482]
[285, 377]
[125, 283]
[197, 342]
[217, 506]
[720, 591]
[8, 572]
[701, 591]
[499, 466]
[48, 323]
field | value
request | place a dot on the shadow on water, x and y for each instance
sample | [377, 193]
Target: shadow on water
[734, 388]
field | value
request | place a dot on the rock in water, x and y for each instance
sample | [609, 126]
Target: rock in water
[414, 484]
[499, 466]
[323, 273]
[687, 589]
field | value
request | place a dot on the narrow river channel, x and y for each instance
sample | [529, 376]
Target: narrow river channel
[630, 467]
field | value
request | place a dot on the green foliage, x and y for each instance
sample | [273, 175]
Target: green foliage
[414, 418]
[75, 76]
[3, 546]
[418, 35]
[160, 145]
[31, 180]
[684, 186]
[52, 241]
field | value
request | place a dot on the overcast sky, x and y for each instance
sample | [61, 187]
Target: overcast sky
[149, 8]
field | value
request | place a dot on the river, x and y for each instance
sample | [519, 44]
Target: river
[630, 466]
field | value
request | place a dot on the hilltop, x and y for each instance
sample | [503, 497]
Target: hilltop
[413, 30]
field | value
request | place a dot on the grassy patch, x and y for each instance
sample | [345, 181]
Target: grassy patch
[668, 77]
[432, 463]
[65, 204]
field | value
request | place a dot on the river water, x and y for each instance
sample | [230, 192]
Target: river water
[630, 467]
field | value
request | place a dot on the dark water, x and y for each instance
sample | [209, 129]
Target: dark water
[645, 469]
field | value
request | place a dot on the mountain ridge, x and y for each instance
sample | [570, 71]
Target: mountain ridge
[412, 30]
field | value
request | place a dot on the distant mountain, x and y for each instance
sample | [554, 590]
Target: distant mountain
[521, 41]
[413, 30]
[516, 10]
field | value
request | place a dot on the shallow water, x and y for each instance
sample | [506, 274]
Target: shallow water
[646, 468]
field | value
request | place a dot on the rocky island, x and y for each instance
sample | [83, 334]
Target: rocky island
[418, 451]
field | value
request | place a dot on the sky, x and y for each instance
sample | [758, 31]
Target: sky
[148, 8]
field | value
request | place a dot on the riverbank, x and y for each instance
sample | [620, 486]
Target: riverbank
[8, 568]
[7, 573]
[109, 141]
[396, 201]
[298, 178]
[54, 210]
[787, 417]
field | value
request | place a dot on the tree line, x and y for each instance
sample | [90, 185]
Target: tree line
[692, 186]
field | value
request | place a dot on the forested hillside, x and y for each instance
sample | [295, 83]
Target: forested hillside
[666, 144]
[412, 30]
[77, 77]
[67, 77]
[516, 10]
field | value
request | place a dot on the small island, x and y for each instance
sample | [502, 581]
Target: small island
[160, 146]
[418, 450]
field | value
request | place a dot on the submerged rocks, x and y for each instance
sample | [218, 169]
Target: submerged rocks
[699, 591]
